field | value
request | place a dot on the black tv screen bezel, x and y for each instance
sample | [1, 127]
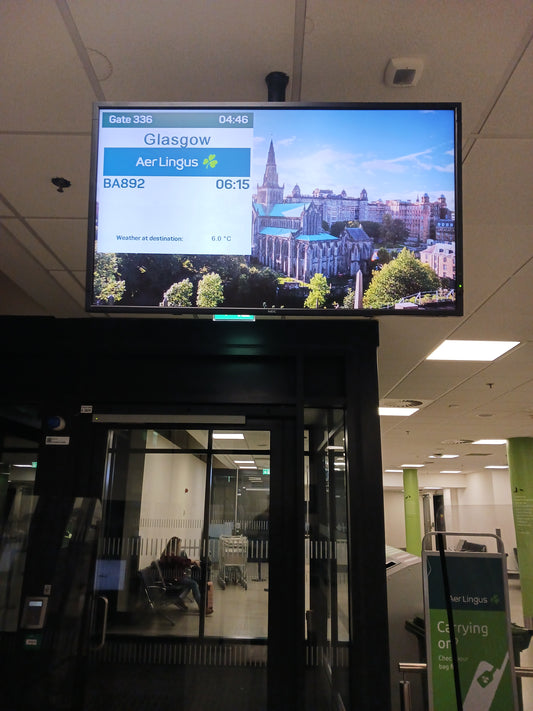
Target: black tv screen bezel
[273, 311]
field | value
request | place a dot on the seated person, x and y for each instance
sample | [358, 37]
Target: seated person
[175, 568]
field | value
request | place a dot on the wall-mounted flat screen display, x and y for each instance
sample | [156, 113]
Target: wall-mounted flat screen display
[276, 209]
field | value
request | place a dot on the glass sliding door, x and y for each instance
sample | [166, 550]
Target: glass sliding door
[193, 615]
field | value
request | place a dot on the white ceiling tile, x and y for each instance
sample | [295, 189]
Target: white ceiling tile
[219, 51]
[43, 85]
[30, 242]
[35, 160]
[513, 113]
[71, 285]
[65, 238]
[16, 301]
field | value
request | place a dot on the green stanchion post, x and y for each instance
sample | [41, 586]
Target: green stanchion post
[520, 458]
[413, 536]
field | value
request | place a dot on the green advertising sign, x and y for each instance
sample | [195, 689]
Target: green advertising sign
[480, 620]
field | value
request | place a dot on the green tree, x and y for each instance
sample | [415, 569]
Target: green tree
[404, 276]
[373, 230]
[349, 299]
[338, 227]
[383, 257]
[146, 275]
[252, 288]
[393, 231]
[210, 291]
[179, 294]
[108, 287]
[319, 292]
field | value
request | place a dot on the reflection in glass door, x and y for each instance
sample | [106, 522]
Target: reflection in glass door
[327, 589]
[193, 615]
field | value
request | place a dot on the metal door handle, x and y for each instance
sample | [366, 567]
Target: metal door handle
[103, 631]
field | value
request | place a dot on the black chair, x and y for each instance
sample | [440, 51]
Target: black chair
[157, 593]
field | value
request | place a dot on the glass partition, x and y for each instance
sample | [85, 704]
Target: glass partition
[238, 537]
[13, 548]
[327, 589]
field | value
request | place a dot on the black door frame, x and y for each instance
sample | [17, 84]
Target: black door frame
[79, 363]
[286, 628]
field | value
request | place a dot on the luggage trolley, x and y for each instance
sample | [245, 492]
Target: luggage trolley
[232, 560]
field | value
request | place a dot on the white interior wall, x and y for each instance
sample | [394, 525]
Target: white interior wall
[485, 505]
[481, 505]
[394, 519]
[172, 503]
[451, 509]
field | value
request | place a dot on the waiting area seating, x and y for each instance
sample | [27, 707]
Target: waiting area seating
[158, 594]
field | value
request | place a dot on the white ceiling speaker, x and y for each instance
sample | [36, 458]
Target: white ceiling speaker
[403, 71]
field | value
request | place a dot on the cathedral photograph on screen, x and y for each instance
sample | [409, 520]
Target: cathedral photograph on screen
[300, 236]
[289, 234]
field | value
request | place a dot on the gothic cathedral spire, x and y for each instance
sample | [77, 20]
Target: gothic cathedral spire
[270, 193]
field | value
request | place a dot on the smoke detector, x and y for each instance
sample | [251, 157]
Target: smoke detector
[403, 71]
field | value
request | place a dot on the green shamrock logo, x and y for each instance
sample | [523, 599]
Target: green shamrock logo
[210, 162]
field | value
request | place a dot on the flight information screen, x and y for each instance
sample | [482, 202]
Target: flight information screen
[299, 209]
[158, 173]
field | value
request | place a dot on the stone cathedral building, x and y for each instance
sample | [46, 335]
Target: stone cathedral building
[289, 238]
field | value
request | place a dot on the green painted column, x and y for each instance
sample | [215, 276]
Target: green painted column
[520, 458]
[413, 536]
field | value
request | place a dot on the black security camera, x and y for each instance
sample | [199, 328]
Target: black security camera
[61, 184]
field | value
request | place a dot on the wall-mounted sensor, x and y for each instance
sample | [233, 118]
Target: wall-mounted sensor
[403, 71]
[55, 423]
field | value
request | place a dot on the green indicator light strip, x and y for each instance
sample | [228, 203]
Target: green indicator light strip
[233, 317]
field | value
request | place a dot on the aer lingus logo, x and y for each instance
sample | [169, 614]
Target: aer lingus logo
[210, 162]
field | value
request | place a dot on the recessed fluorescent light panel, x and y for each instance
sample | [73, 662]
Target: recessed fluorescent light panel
[490, 441]
[497, 466]
[228, 435]
[412, 466]
[451, 471]
[471, 350]
[397, 411]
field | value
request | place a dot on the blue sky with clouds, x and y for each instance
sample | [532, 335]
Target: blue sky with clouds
[392, 153]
